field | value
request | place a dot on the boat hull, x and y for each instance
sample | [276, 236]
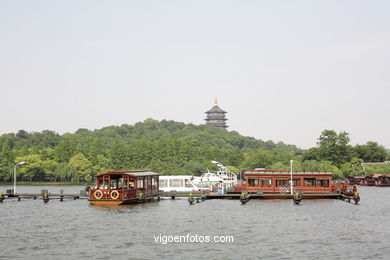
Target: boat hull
[275, 196]
[117, 202]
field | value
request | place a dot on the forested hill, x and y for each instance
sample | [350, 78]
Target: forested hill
[164, 146]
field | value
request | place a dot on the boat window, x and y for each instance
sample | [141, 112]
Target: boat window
[280, 183]
[113, 184]
[146, 183]
[176, 183]
[140, 184]
[266, 182]
[105, 185]
[310, 182]
[100, 182]
[323, 183]
[163, 183]
[296, 182]
[154, 182]
[126, 184]
[131, 184]
[120, 182]
[187, 183]
[253, 182]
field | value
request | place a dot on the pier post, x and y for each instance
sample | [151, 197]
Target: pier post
[173, 194]
[244, 198]
[191, 198]
[356, 197]
[45, 197]
[140, 197]
[297, 198]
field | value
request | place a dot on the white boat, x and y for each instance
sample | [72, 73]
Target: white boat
[180, 183]
[220, 181]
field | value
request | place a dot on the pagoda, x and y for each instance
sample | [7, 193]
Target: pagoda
[216, 116]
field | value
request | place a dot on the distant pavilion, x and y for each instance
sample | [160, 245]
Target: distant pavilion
[216, 116]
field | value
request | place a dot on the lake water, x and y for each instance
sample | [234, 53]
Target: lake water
[270, 229]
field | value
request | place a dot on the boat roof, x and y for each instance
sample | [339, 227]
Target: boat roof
[176, 177]
[135, 173]
[275, 172]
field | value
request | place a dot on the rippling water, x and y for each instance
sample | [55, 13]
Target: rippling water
[270, 229]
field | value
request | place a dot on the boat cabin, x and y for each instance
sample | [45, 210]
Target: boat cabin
[272, 181]
[370, 180]
[180, 183]
[355, 180]
[123, 187]
[383, 180]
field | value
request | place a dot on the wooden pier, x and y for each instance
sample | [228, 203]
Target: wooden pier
[191, 196]
[43, 195]
[245, 197]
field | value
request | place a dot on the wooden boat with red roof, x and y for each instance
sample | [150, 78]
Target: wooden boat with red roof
[273, 184]
[124, 187]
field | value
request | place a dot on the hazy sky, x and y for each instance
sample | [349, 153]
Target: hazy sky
[283, 70]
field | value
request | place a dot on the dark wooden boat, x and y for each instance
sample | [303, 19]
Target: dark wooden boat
[355, 180]
[124, 187]
[383, 180]
[370, 180]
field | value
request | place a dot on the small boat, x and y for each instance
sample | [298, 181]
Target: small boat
[181, 183]
[124, 187]
[280, 184]
[383, 180]
[355, 180]
[221, 180]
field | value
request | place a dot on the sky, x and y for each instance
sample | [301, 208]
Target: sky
[283, 70]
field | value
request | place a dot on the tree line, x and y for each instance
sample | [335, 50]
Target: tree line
[170, 148]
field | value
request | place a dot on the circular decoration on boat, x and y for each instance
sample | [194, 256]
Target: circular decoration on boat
[98, 194]
[114, 194]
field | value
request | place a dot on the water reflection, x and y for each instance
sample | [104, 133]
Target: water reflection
[115, 208]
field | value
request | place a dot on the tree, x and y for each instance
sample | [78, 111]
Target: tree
[82, 166]
[257, 159]
[65, 150]
[371, 152]
[119, 155]
[34, 167]
[351, 168]
[6, 159]
[334, 147]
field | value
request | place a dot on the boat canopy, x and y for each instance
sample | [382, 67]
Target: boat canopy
[134, 173]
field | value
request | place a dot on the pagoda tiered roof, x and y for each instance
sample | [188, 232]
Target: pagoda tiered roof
[216, 117]
[216, 109]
